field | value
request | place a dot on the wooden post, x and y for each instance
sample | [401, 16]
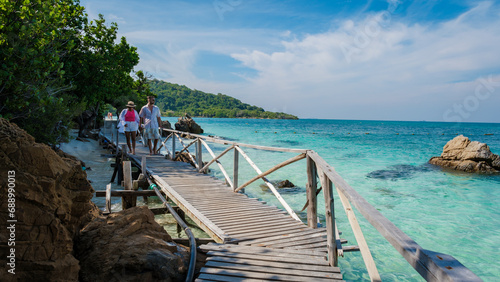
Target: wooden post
[331, 243]
[312, 200]
[119, 163]
[108, 198]
[235, 170]
[173, 147]
[199, 155]
[143, 170]
[128, 201]
[117, 137]
[182, 215]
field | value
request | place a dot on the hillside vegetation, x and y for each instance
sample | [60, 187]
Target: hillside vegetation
[176, 100]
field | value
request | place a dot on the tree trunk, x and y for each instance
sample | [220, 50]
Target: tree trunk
[85, 120]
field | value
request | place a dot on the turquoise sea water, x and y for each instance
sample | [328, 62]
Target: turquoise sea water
[386, 162]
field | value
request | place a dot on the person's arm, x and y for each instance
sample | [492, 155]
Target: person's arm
[122, 117]
[141, 120]
[158, 117]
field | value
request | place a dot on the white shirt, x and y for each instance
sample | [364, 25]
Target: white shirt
[150, 117]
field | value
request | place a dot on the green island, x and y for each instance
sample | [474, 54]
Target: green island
[176, 100]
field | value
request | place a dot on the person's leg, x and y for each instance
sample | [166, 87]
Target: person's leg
[150, 147]
[133, 142]
[156, 143]
[147, 134]
[127, 136]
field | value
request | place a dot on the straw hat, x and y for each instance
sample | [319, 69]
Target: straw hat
[130, 104]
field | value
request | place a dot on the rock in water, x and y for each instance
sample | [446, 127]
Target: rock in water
[49, 197]
[187, 124]
[129, 246]
[165, 124]
[470, 156]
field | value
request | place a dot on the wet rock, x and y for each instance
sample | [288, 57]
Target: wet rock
[129, 246]
[285, 184]
[470, 156]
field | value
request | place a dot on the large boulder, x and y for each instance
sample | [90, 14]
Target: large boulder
[187, 124]
[130, 246]
[44, 200]
[470, 156]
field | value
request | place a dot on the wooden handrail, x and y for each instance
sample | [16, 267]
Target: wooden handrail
[271, 170]
[271, 187]
[430, 265]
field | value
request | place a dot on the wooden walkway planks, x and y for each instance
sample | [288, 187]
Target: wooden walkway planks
[241, 263]
[264, 234]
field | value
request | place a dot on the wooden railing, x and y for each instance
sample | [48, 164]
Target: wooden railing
[430, 265]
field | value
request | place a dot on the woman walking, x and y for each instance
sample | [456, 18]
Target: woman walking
[129, 119]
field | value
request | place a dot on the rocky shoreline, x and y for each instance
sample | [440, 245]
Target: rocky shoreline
[56, 232]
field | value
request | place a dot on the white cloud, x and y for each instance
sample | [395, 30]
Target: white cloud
[369, 68]
[376, 67]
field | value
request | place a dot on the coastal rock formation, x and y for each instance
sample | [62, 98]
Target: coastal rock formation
[470, 156]
[48, 195]
[165, 124]
[187, 124]
[129, 246]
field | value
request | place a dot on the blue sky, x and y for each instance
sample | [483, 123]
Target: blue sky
[337, 59]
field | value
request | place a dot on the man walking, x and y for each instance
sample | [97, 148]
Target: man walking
[151, 121]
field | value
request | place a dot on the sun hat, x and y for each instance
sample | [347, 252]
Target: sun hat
[130, 104]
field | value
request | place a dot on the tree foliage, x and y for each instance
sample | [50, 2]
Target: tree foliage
[176, 100]
[55, 64]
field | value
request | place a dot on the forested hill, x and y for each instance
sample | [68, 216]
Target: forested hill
[175, 100]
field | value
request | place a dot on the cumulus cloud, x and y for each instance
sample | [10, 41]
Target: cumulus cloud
[377, 66]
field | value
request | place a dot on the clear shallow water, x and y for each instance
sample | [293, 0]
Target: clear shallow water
[386, 162]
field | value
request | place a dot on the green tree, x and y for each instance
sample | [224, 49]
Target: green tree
[101, 70]
[55, 64]
[35, 39]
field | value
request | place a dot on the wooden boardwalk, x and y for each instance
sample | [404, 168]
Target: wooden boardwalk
[256, 242]
[259, 241]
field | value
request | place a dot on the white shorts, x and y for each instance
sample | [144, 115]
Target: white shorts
[131, 126]
[152, 133]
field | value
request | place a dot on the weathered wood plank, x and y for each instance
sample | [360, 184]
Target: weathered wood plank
[119, 193]
[256, 222]
[274, 270]
[285, 237]
[262, 225]
[263, 218]
[257, 275]
[306, 254]
[266, 230]
[286, 258]
[279, 263]
[300, 241]
[224, 278]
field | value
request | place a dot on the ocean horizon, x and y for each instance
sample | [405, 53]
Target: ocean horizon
[386, 162]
